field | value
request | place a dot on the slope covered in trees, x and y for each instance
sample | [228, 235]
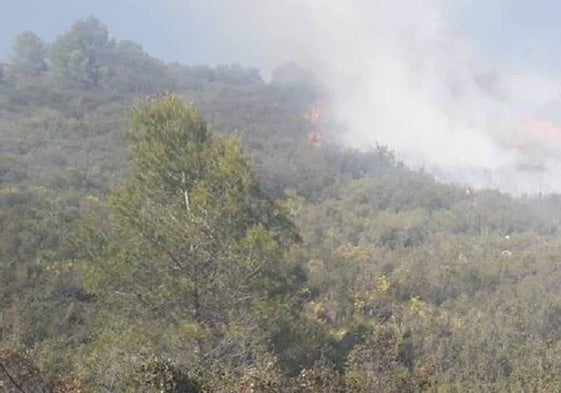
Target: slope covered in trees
[219, 245]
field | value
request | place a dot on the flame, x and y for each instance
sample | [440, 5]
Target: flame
[314, 115]
[545, 132]
[540, 133]
[315, 139]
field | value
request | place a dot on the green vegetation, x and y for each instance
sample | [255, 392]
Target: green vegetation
[235, 253]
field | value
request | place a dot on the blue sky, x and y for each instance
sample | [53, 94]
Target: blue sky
[197, 31]
[155, 25]
[512, 31]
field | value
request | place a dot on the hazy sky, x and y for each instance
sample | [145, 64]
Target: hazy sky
[201, 31]
[470, 89]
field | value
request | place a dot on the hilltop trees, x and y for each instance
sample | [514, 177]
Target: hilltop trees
[28, 54]
[76, 56]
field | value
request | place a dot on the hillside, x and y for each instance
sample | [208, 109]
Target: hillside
[300, 265]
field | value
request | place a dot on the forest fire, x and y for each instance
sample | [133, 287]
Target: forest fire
[314, 117]
[539, 133]
[315, 114]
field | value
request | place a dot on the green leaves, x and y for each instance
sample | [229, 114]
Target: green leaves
[193, 247]
[28, 54]
[76, 55]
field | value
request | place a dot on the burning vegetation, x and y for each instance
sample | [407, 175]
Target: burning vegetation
[314, 118]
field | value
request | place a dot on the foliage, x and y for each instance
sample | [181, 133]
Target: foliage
[28, 54]
[194, 247]
[250, 259]
[76, 55]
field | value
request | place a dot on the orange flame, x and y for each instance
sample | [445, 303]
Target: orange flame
[540, 133]
[314, 115]
[315, 139]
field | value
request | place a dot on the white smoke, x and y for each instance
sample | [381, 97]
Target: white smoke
[398, 76]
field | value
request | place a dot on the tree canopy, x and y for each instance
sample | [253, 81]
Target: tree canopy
[193, 246]
[77, 55]
[29, 53]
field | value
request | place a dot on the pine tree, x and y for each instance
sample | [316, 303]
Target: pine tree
[195, 255]
[28, 54]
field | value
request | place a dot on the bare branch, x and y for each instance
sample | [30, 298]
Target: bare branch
[12, 380]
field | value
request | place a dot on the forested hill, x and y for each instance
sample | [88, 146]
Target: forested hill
[172, 228]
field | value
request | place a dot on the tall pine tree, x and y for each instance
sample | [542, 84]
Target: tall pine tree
[194, 256]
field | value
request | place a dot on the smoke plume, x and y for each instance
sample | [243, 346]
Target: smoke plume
[397, 75]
